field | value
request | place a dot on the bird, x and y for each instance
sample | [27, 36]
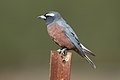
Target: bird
[64, 36]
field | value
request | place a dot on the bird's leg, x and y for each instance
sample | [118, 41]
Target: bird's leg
[62, 51]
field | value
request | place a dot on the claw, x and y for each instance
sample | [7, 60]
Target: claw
[62, 51]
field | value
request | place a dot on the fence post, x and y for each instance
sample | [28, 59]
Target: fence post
[60, 66]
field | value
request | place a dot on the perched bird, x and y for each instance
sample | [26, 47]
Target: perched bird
[63, 35]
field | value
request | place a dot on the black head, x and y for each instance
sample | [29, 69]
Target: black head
[50, 17]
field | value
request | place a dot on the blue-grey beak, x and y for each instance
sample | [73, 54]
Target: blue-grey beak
[41, 17]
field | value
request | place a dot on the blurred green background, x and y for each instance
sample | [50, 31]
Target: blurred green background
[25, 45]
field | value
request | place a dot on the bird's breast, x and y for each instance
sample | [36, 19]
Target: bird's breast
[56, 32]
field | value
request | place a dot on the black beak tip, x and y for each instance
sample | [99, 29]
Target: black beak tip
[38, 17]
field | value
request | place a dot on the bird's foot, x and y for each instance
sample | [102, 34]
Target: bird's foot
[59, 50]
[62, 51]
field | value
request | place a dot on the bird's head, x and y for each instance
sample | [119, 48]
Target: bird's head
[50, 17]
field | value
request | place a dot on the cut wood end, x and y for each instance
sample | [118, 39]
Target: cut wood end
[65, 58]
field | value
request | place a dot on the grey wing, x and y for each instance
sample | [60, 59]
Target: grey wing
[74, 39]
[85, 50]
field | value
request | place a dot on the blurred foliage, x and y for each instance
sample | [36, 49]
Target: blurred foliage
[24, 40]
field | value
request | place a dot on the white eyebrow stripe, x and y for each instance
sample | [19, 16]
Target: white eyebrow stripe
[50, 14]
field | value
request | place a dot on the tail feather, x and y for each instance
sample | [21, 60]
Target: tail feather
[82, 51]
[89, 61]
[87, 50]
[84, 55]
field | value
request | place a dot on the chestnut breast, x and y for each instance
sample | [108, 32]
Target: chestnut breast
[56, 32]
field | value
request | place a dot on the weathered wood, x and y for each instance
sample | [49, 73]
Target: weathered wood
[60, 66]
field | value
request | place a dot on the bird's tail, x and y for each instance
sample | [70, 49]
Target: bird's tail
[84, 55]
[89, 61]
[86, 50]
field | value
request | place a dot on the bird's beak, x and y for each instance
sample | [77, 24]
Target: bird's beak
[41, 17]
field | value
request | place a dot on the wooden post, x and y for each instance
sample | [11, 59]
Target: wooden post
[60, 66]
